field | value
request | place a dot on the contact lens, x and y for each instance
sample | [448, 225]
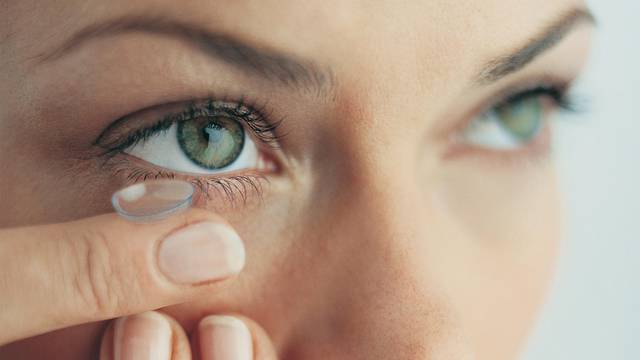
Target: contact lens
[152, 200]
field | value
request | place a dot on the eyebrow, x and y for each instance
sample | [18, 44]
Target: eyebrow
[268, 64]
[291, 71]
[502, 66]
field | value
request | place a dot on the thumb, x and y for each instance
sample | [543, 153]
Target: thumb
[55, 276]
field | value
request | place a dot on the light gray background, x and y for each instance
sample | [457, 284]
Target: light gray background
[594, 308]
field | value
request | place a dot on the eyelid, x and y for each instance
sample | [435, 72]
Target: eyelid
[449, 131]
[556, 94]
[231, 187]
[538, 149]
[555, 90]
[123, 133]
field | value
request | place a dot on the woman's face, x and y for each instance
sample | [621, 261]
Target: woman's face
[393, 185]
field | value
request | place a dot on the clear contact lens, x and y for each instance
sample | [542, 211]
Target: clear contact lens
[153, 200]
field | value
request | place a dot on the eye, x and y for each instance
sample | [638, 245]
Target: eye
[203, 141]
[514, 123]
[506, 127]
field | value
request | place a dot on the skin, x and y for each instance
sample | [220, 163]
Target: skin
[371, 241]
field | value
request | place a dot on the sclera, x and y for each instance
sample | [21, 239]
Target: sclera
[153, 200]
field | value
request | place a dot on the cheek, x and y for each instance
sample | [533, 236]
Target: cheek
[507, 224]
[45, 177]
[268, 283]
[54, 191]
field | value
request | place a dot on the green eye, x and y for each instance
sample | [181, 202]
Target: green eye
[522, 118]
[213, 142]
[507, 126]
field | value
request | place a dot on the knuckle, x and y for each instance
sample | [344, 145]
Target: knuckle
[95, 281]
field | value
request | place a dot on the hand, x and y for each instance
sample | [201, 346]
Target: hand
[56, 276]
[153, 335]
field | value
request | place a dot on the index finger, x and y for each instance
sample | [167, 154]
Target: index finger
[55, 276]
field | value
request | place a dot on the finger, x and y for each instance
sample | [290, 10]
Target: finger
[55, 276]
[231, 337]
[147, 336]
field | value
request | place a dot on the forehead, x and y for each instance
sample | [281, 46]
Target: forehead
[409, 46]
[305, 27]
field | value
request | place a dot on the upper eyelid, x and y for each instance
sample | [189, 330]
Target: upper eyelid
[495, 98]
[557, 93]
[527, 88]
[115, 139]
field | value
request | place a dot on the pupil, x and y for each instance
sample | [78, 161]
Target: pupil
[212, 132]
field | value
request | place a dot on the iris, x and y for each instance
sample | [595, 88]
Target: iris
[522, 119]
[213, 142]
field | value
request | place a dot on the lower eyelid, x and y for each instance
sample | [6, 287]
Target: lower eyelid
[537, 149]
[219, 191]
[235, 190]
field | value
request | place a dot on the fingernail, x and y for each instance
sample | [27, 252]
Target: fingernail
[141, 337]
[224, 338]
[201, 252]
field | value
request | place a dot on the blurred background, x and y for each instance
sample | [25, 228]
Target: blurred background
[593, 311]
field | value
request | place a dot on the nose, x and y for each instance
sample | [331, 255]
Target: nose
[380, 293]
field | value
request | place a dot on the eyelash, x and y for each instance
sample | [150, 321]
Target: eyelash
[561, 100]
[231, 187]
[559, 95]
[256, 119]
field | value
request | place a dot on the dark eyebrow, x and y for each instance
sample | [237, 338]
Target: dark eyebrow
[504, 65]
[268, 64]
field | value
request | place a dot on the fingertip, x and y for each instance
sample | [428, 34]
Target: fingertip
[223, 337]
[146, 335]
[234, 336]
[201, 252]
